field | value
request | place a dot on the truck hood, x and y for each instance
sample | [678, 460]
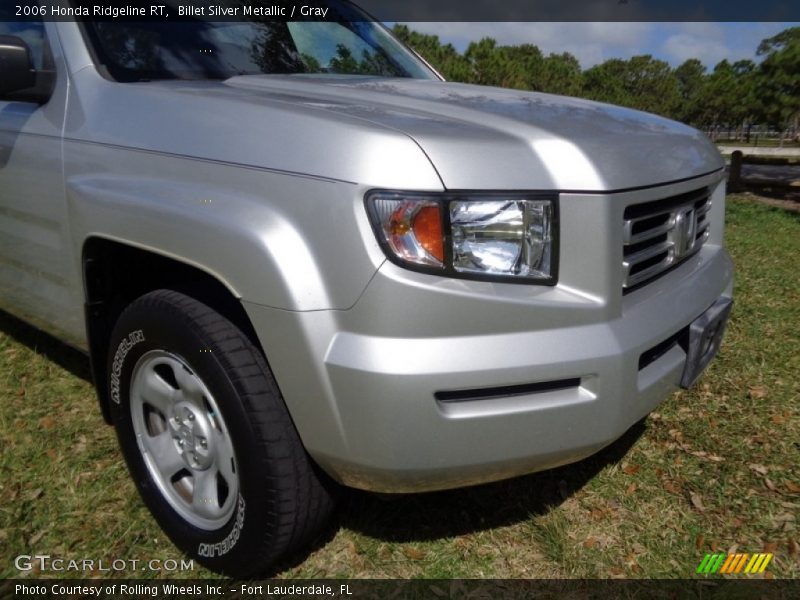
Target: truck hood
[392, 133]
[481, 137]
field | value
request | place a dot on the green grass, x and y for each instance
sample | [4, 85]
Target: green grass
[715, 469]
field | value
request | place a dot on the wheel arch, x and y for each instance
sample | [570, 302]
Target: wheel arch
[116, 272]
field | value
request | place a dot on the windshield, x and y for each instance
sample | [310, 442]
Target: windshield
[201, 49]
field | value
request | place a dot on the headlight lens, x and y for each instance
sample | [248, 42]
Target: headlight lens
[502, 237]
[507, 237]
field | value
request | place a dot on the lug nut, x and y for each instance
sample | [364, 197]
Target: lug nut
[203, 443]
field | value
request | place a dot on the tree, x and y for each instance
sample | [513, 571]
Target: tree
[746, 109]
[778, 79]
[444, 58]
[691, 76]
[606, 82]
[485, 62]
[641, 82]
[560, 74]
[717, 99]
[519, 67]
[654, 86]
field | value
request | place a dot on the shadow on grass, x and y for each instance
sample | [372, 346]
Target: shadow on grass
[400, 518]
[778, 202]
[64, 356]
[422, 517]
[775, 192]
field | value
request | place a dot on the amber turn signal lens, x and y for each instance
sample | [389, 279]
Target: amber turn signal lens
[412, 229]
[427, 227]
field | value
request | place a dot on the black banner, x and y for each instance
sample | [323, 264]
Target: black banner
[706, 589]
[406, 10]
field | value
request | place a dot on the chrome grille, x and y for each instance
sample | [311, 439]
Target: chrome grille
[658, 235]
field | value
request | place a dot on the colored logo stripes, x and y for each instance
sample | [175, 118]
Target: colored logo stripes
[734, 563]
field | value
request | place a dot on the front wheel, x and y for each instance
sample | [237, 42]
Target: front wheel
[207, 437]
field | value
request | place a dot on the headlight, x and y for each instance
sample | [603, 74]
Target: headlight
[509, 237]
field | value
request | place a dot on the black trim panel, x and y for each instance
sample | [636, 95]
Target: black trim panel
[507, 390]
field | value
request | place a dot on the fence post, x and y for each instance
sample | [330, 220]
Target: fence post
[735, 172]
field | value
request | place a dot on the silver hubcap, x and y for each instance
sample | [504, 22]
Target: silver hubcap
[183, 440]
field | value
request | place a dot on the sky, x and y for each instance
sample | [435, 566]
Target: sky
[592, 43]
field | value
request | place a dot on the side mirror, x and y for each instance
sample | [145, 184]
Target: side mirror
[17, 71]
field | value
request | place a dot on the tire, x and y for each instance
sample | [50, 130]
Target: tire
[207, 437]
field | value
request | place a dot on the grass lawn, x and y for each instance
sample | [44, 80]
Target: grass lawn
[717, 468]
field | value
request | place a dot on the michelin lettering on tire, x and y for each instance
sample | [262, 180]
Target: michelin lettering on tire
[125, 346]
[226, 545]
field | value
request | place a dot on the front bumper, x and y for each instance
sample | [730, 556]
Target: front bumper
[366, 409]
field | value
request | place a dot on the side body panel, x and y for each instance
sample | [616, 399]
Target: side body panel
[38, 279]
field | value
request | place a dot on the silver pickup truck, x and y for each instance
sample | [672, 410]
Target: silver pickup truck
[298, 258]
